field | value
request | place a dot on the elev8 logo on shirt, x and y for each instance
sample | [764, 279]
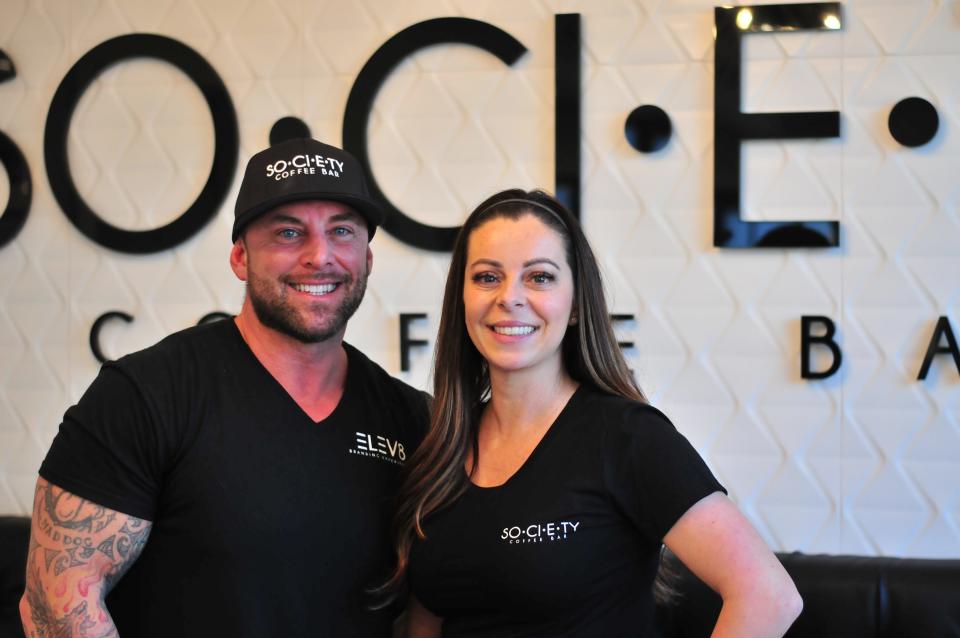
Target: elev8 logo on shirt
[376, 446]
[539, 532]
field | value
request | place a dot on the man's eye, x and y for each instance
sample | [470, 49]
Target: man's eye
[289, 233]
[342, 231]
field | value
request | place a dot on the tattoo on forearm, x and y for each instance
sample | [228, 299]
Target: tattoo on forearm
[47, 623]
[78, 552]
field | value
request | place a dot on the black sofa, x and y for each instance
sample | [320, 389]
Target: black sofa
[14, 539]
[843, 596]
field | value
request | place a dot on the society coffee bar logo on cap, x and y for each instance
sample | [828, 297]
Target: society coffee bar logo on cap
[304, 165]
[303, 169]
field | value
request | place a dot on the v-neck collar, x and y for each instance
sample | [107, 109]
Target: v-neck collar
[538, 450]
[345, 399]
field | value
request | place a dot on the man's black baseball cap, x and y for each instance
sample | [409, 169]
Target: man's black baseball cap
[303, 169]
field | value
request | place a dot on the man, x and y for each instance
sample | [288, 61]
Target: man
[235, 479]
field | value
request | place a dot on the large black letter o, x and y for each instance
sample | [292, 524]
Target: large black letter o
[225, 154]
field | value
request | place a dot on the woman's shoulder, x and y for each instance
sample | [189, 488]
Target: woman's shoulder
[623, 414]
[621, 424]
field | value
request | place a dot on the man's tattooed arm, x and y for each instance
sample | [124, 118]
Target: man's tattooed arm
[78, 551]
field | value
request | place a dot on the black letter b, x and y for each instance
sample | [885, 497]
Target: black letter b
[806, 339]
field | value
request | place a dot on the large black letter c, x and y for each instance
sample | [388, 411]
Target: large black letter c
[360, 103]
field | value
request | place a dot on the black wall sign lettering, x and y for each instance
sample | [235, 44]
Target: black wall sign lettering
[288, 128]
[360, 105]
[648, 128]
[64, 102]
[566, 133]
[623, 317]
[98, 326]
[826, 339]
[731, 126]
[216, 315]
[405, 341]
[913, 121]
[942, 329]
[14, 214]
[7, 70]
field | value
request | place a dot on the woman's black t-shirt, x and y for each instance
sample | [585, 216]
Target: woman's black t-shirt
[570, 544]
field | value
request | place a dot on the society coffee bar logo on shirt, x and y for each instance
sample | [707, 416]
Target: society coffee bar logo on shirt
[539, 532]
[379, 447]
[304, 165]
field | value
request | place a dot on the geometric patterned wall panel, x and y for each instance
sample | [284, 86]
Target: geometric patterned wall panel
[866, 461]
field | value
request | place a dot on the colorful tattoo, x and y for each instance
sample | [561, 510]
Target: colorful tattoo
[78, 552]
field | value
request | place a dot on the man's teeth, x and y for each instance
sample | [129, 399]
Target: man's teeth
[513, 330]
[315, 289]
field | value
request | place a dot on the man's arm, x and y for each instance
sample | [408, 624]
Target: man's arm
[78, 551]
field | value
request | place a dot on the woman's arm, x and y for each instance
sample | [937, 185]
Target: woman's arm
[420, 622]
[717, 543]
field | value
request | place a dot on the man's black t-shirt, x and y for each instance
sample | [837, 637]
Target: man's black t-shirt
[265, 523]
[569, 545]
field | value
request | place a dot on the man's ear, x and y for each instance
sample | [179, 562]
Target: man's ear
[369, 260]
[238, 259]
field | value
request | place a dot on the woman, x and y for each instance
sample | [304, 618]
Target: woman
[539, 501]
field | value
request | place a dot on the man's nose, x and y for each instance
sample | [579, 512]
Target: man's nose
[316, 251]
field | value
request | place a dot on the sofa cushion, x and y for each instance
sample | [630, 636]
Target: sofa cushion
[14, 542]
[857, 596]
[841, 595]
[923, 598]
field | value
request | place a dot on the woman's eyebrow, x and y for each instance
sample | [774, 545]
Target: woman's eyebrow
[488, 262]
[541, 260]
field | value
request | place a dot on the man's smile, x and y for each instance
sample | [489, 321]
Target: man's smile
[315, 289]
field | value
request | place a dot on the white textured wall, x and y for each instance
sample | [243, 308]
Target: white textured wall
[867, 462]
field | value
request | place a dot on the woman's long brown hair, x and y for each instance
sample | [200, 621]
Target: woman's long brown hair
[436, 476]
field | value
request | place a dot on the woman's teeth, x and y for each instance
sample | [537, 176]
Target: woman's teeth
[513, 330]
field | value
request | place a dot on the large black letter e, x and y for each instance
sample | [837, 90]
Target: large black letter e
[731, 126]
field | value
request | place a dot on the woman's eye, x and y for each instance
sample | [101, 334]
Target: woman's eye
[542, 277]
[485, 278]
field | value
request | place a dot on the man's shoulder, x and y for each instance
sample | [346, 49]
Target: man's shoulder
[380, 384]
[371, 372]
[196, 345]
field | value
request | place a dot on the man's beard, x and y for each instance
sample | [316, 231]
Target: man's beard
[274, 311]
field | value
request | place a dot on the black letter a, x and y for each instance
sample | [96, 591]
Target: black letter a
[943, 328]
